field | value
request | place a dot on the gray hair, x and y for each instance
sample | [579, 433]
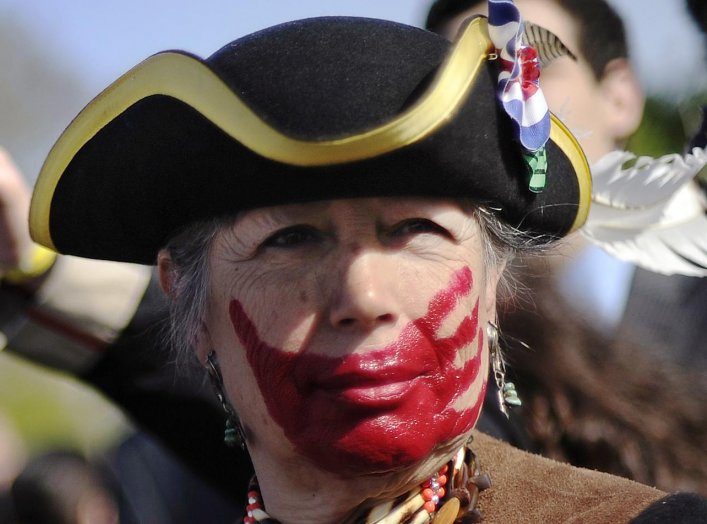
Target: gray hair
[189, 251]
[188, 296]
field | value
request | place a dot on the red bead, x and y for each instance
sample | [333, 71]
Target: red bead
[444, 469]
[528, 53]
[251, 507]
[253, 494]
[441, 492]
[430, 506]
[248, 520]
[427, 494]
[442, 480]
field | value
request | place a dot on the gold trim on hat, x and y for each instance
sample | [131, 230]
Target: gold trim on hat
[566, 141]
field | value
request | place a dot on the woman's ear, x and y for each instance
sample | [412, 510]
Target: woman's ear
[166, 274]
[165, 271]
[624, 98]
[202, 344]
[493, 277]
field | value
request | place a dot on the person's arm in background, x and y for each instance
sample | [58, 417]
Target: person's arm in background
[102, 323]
[62, 312]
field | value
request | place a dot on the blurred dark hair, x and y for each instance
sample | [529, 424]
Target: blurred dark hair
[698, 11]
[602, 36]
[602, 404]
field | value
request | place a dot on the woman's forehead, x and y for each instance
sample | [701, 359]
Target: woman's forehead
[378, 206]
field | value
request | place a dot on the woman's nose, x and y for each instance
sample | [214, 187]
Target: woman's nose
[364, 294]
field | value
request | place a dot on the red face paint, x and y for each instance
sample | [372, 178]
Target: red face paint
[380, 410]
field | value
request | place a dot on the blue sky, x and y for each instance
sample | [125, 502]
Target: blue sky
[102, 39]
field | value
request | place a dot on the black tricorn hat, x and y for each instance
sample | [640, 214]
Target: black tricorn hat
[333, 107]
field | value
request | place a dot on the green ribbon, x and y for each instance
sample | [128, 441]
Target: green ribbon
[537, 162]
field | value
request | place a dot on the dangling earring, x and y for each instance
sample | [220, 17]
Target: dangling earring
[233, 435]
[507, 394]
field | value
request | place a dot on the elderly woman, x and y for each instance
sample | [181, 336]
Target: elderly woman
[331, 204]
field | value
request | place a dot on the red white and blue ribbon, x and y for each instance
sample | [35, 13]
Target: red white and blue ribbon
[519, 89]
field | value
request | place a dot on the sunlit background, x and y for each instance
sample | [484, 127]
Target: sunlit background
[56, 55]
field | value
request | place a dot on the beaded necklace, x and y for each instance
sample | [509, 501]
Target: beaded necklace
[454, 490]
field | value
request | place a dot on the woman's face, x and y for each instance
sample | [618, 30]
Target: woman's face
[352, 332]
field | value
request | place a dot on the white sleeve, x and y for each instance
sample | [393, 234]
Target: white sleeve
[78, 311]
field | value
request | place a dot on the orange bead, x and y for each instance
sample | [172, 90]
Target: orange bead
[429, 506]
[442, 480]
[441, 492]
[427, 494]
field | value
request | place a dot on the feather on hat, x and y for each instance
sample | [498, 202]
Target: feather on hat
[651, 213]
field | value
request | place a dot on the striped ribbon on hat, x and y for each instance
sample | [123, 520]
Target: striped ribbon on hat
[519, 89]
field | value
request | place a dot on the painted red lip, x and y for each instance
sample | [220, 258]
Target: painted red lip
[379, 389]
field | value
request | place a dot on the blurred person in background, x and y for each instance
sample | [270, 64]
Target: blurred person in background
[607, 386]
[698, 11]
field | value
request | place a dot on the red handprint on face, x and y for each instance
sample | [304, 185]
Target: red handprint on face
[379, 409]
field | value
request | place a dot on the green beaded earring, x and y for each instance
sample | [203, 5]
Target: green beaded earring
[233, 435]
[507, 394]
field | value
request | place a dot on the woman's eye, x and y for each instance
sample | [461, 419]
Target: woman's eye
[293, 237]
[417, 226]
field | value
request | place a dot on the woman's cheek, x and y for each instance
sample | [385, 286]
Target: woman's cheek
[280, 307]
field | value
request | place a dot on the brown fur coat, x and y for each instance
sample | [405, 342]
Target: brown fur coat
[528, 488]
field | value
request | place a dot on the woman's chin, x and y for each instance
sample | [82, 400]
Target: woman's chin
[378, 446]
